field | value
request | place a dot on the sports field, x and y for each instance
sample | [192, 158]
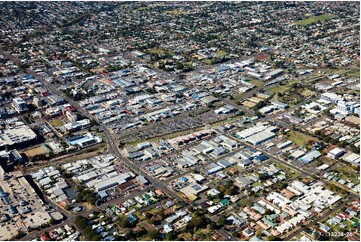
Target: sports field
[314, 19]
[36, 151]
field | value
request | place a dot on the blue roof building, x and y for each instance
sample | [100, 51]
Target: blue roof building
[132, 218]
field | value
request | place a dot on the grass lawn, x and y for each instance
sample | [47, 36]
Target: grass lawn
[221, 53]
[353, 74]
[139, 215]
[188, 64]
[154, 211]
[314, 19]
[256, 184]
[175, 12]
[299, 138]
[279, 88]
[306, 92]
[291, 173]
[257, 82]
[348, 226]
[347, 172]
[88, 206]
[208, 62]
[161, 52]
[56, 123]
[36, 151]
[186, 236]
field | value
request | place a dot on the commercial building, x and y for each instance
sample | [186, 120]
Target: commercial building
[352, 158]
[260, 137]
[77, 125]
[21, 204]
[110, 182]
[16, 134]
[193, 190]
[284, 144]
[250, 131]
[86, 140]
[19, 105]
[331, 97]
[335, 153]
[273, 74]
[310, 156]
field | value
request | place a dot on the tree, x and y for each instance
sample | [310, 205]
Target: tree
[221, 220]
[179, 66]
[87, 230]
[311, 142]
[140, 233]
[196, 221]
[221, 189]
[271, 238]
[355, 149]
[284, 185]
[231, 190]
[148, 215]
[170, 236]
[342, 143]
[96, 238]
[81, 222]
[317, 108]
[153, 234]
[259, 232]
[123, 221]
[268, 212]
[262, 176]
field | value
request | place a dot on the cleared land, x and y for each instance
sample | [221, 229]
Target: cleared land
[314, 19]
[36, 151]
[221, 53]
[299, 138]
[307, 93]
[175, 12]
[281, 88]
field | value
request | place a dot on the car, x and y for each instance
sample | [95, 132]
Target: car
[78, 209]
[104, 234]
[99, 230]
[109, 238]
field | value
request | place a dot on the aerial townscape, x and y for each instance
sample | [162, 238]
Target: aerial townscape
[165, 121]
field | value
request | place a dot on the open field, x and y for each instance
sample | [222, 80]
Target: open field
[314, 19]
[56, 123]
[175, 12]
[299, 138]
[353, 74]
[256, 82]
[281, 88]
[221, 53]
[291, 173]
[35, 151]
[347, 172]
[307, 92]
[162, 53]
[208, 61]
